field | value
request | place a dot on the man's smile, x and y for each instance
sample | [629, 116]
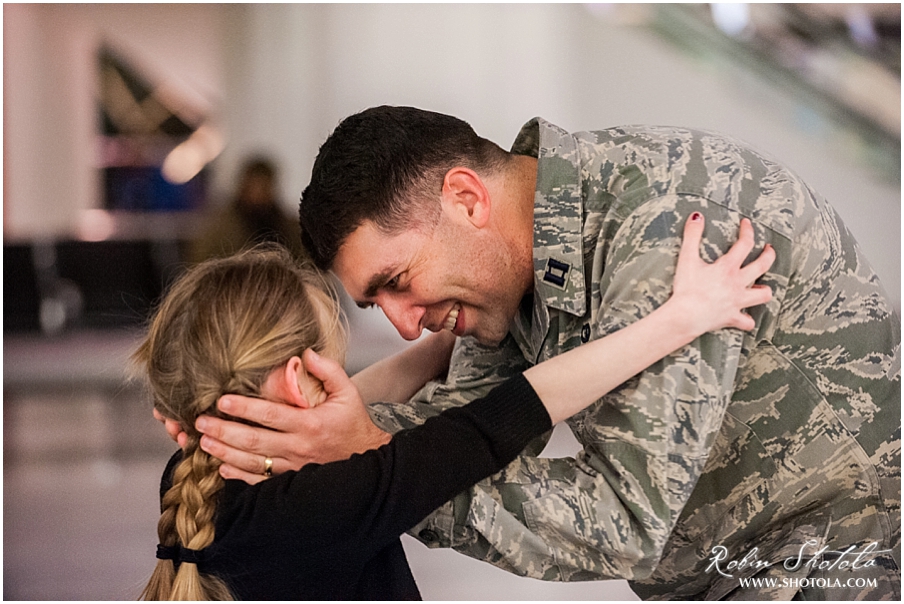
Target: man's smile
[452, 318]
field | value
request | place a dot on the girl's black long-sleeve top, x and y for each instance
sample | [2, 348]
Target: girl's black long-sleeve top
[332, 531]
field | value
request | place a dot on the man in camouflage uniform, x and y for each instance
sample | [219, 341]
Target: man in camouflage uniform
[771, 455]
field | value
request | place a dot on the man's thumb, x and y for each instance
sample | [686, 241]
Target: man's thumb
[326, 370]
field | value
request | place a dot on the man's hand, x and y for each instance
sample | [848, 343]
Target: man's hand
[293, 437]
[172, 428]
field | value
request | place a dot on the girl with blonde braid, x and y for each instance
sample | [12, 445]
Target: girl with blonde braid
[222, 328]
[243, 325]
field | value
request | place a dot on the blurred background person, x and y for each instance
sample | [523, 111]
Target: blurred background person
[254, 215]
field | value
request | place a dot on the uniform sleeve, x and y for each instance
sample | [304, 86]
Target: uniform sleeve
[608, 513]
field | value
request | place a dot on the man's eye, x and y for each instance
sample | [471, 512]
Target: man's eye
[364, 305]
[392, 283]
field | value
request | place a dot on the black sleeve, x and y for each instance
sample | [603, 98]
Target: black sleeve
[373, 498]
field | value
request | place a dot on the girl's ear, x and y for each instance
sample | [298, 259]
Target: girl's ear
[283, 384]
[294, 371]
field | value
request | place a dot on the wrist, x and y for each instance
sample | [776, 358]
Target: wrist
[677, 321]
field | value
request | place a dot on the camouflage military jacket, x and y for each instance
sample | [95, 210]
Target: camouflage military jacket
[728, 460]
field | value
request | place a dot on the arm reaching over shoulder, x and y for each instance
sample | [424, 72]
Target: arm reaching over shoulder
[395, 379]
[705, 297]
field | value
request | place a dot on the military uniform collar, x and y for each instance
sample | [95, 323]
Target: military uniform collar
[558, 216]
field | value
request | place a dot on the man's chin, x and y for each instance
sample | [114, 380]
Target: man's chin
[493, 339]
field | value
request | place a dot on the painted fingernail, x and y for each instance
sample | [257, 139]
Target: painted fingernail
[696, 216]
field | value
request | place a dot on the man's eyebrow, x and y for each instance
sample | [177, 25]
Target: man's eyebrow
[376, 282]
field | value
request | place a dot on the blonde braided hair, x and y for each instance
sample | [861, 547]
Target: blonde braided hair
[223, 327]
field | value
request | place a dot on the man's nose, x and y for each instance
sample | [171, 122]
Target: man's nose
[406, 318]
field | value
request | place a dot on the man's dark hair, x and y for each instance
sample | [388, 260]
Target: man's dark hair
[387, 165]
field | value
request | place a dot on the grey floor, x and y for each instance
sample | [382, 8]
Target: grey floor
[82, 458]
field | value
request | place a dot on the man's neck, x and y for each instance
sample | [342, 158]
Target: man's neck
[521, 181]
[512, 191]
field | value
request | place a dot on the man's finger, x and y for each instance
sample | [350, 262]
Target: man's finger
[252, 463]
[277, 416]
[173, 428]
[239, 436]
[327, 371]
[232, 473]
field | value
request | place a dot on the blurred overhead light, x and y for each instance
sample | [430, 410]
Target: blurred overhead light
[188, 158]
[96, 225]
[732, 19]
[860, 24]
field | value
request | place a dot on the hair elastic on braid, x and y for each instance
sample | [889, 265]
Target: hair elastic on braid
[192, 556]
[179, 554]
[167, 552]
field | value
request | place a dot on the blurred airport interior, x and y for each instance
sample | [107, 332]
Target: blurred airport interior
[125, 126]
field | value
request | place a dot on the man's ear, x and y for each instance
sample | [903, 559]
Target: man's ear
[466, 196]
[283, 384]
